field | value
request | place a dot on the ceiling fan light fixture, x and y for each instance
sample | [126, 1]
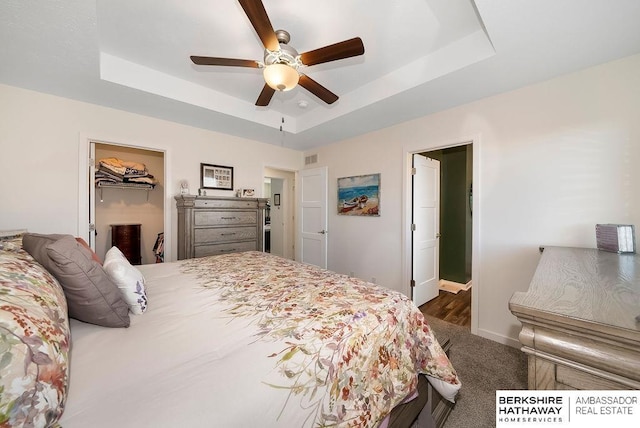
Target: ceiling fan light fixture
[281, 61]
[281, 77]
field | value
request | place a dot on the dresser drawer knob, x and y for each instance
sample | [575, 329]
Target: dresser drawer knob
[228, 218]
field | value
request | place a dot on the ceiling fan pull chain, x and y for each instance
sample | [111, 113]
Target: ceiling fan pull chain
[282, 133]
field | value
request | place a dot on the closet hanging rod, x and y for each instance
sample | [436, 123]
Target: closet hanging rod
[124, 186]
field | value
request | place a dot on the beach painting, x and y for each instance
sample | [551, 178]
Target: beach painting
[359, 195]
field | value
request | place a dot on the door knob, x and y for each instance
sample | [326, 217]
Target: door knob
[323, 232]
[438, 235]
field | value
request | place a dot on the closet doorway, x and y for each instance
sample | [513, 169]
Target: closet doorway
[279, 219]
[127, 206]
[453, 300]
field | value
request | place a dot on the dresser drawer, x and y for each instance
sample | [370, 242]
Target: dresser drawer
[579, 379]
[232, 247]
[221, 234]
[224, 218]
[220, 203]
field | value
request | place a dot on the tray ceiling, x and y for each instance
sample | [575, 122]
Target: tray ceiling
[421, 56]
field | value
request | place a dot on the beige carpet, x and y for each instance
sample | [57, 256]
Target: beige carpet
[483, 366]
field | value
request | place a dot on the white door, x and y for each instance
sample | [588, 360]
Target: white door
[312, 243]
[426, 228]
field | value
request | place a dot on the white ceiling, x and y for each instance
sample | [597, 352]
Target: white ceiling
[421, 56]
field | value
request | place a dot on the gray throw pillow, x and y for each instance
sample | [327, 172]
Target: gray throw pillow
[36, 245]
[91, 296]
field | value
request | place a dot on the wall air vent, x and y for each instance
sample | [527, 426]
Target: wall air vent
[311, 159]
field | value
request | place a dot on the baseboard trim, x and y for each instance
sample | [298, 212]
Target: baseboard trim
[514, 343]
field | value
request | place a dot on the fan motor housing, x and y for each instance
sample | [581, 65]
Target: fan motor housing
[285, 55]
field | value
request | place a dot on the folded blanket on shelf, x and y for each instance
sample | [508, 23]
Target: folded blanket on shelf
[120, 166]
[117, 171]
[122, 172]
[149, 179]
[106, 173]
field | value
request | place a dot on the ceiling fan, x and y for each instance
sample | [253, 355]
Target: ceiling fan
[281, 61]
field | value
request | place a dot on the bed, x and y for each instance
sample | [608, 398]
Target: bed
[251, 339]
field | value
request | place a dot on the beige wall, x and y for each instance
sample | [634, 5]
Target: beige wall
[553, 160]
[42, 138]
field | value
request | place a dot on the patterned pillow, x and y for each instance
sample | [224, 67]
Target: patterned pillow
[34, 343]
[129, 280]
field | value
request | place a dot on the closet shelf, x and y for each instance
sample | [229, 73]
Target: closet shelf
[137, 186]
[125, 186]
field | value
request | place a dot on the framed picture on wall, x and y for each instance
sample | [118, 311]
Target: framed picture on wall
[216, 177]
[359, 195]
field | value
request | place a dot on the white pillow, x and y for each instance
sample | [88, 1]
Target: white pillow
[129, 280]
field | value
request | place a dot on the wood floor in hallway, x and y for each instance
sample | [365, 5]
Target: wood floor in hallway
[453, 308]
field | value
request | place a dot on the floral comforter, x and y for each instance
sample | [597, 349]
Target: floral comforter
[347, 351]
[34, 341]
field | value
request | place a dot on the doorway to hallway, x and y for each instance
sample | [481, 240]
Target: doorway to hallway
[279, 228]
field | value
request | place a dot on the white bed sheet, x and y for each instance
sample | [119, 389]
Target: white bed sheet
[155, 374]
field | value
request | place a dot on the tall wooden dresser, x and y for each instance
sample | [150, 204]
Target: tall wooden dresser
[211, 225]
[127, 238]
[579, 320]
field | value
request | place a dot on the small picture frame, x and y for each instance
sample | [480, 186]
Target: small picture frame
[216, 177]
[184, 187]
[248, 193]
[276, 199]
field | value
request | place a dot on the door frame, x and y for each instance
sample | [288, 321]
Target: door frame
[84, 186]
[407, 186]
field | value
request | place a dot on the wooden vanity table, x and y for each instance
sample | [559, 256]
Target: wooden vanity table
[579, 326]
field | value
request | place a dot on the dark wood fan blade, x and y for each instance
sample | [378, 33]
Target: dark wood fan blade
[317, 89]
[208, 60]
[260, 20]
[265, 96]
[341, 50]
